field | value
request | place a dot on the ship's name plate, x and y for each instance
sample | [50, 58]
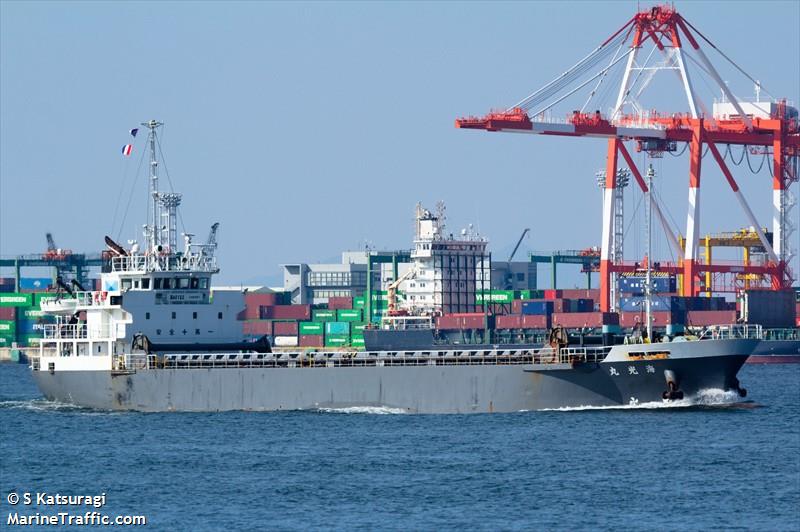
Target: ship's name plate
[181, 298]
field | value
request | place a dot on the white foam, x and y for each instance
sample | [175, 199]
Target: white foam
[708, 397]
[39, 405]
[373, 410]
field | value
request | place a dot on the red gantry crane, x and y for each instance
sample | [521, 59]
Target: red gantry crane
[760, 127]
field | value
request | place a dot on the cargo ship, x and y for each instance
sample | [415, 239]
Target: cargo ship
[156, 338]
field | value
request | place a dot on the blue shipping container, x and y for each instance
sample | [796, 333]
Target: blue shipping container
[35, 283]
[537, 308]
[657, 303]
[636, 285]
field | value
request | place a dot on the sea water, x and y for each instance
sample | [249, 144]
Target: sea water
[712, 462]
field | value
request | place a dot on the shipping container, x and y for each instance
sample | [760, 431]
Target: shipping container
[257, 327]
[337, 327]
[463, 321]
[770, 308]
[259, 299]
[337, 303]
[311, 328]
[359, 302]
[337, 340]
[581, 293]
[357, 341]
[702, 318]
[494, 296]
[635, 285]
[285, 341]
[349, 315]
[284, 328]
[8, 327]
[16, 299]
[31, 313]
[553, 294]
[35, 283]
[584, 319]
[324, 315]
[358, 326]
[536, 308]
[288, 312]
[660, 319]
[39, 297]
[8, 313]
[6, 341]
[312, 340]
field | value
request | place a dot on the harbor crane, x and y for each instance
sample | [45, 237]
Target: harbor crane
[767, 127]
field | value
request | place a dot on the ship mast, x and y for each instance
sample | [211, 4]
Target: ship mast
[152, 232]
[648, 281]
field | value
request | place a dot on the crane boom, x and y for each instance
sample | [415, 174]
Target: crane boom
[519, 242]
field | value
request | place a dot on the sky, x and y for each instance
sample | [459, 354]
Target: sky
[307, 129]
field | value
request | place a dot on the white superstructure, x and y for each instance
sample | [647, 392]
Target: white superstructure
[448, 271]
[159, 292]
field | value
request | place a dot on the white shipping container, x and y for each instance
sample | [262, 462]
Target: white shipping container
[285, 341]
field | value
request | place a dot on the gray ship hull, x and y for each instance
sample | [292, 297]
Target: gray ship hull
[415, 389]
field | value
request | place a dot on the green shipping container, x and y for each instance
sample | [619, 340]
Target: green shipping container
[337, 339]
[42, 296]
[357, 341]
[337, 327]
[349, 315]
[495, 296]
[311, 327]
[12, 299]
[357, 326]
[323, 315]
[31, 314]
[359, 302]
[8, 327]
[6, 341]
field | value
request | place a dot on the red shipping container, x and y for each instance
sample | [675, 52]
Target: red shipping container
[701, 318]
[552, 294]
[7, 313]
[580, 293]
[660, 318]
[284, 328]
[508, 322]
[257, 327]
[287, 312]
[562, 305]
[258, 299]
[312, 340]
[585, 319]
[461, 321]
[535, 322]
[336, 303]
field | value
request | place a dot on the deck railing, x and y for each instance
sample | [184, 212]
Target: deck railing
[544, 356]
[736, 331]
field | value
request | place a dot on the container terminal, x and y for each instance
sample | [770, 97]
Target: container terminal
[470, 297]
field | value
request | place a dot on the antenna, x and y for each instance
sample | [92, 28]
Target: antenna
[152, 232]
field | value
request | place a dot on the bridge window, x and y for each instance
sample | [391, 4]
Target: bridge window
[166, 283]
[194, 283]
[183, 282]
[145, 284]
[126, 284]
[157, 283]
[204, 283]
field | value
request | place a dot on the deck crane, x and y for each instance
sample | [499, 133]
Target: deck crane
[766, 125]
[391, 292]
